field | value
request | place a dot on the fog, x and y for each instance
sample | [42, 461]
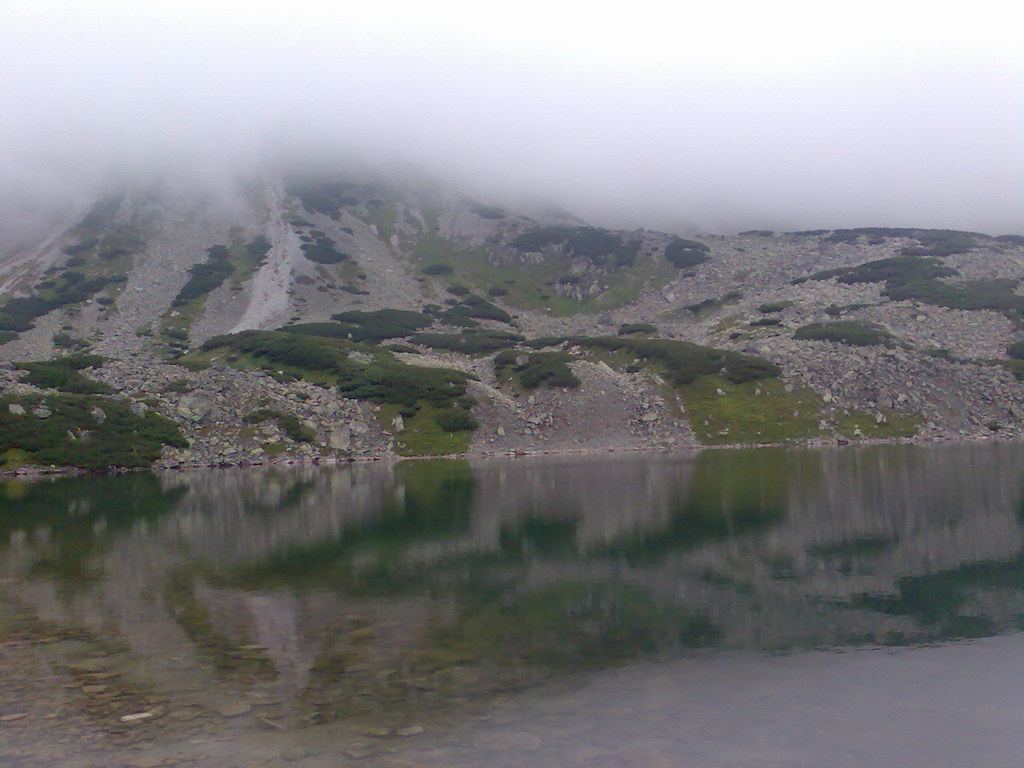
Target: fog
[786, 115]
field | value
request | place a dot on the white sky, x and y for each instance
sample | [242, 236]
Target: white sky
[725, 115]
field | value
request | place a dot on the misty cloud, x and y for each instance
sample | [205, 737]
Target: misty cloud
[724, 119]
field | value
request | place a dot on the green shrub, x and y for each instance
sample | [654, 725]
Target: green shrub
[683, 362]
[600, 246]
[323, 251]
[120, 439]
[64, 340]
[62, 373]
[322, 196]
[206, 276]
[765, 321]
[70, 287]
[682, 253]
[709, 305]
[547, 369]
[1016, 350]
[851, 332]
[896, 269]
[383, 380]
[295, 429]
[774, 306]
[475, 308]
[469, 343]
[366, 326]
[496, 290]
[630, 328]
[455, 420]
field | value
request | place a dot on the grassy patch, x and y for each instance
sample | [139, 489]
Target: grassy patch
[750, 412]
[526, 282]
[855, 333]
[852, 423]
[423, 435]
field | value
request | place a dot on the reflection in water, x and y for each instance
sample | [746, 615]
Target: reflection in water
[366, 592]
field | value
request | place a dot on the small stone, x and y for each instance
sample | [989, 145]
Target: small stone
[136, 717]
[95, 690]
[17, 410]
[235, 709]
[42, 412]
[412, 730]
[12, 717]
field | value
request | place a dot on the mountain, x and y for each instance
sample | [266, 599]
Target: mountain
[320, 314]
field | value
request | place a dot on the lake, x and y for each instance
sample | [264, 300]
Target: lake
[770, 607]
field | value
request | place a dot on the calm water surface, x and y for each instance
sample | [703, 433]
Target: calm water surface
[845, 607]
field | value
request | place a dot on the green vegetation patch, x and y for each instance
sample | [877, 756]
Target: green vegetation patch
[683, 362]
[628, 329]
[710, 305]
[87, 431]
[899, 269]
[323, 196]
[854, 424]
[538, 369]
[62, 373]
[855, 333]
[470, 342]
[367, 326]
[681, 253]
[326, 360]
[723, 412]
[323, 250]
[430, 431]
[917, 278]
[206, 276]
[473, 308]
[773, 307]
[69, 288]
[601, 247]
[288, 423]
[528, 282]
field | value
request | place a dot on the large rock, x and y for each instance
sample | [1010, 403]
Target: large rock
[17, 410]
[194, 407]
[340, 438]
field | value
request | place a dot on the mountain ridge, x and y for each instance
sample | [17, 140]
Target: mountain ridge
[565, 336]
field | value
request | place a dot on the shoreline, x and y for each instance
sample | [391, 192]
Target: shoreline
[30, 471]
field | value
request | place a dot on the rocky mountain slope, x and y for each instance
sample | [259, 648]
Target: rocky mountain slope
[368, 315]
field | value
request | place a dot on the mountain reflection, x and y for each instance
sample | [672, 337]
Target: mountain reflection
[354, 590]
